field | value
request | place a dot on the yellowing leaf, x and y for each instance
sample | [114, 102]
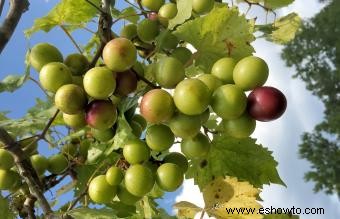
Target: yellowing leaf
[186, 209]
[72, 13]
[222, 195]
[220, 33]
[286, 28]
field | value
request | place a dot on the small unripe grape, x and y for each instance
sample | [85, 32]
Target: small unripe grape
[126, 83]
[101, 114]
[240, 127]
[159, 137]
[75, 121]
[185, 126]
[140, 120]
[54, 75]
[136, 151]
[179, 159]
[196, 147]
[202, 6]
[168, 11]
[211, 81]
[147, 30]
[223, 69]
[9, 179]
[77, 63]
[138, 180]
[39, 163]
[57, 164]
[70, 99]
[129, 31]
[99, 82]
[6, 160]
[229, 101]
[42, 54]
[114, 176]
[100, 191]
[169, 177]
[70, 150]
[126, 197]
[153, 5]
[169, 72]
[103, 135]
[250, 72]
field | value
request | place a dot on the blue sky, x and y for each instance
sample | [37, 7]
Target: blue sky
[281, 136]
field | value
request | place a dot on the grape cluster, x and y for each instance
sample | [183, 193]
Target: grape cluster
[177, 107]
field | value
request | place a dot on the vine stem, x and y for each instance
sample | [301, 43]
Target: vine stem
[202, 214]
[26, 170]
[37, 83]
[142, 78]
[48, 125]
[71, 38]
[95, 6]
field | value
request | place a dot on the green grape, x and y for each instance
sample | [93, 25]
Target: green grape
[169, 177]
[39, 163]
[229, 101]
[75, 121]
[103, 135]
[153, 5]
[168, 41]
[119, 54]
[100, 191]
[211, 81]
[140, 120]
[126, 197]
[159, 137]
[250, 72]
[6, 160]
[196, 147]
[129, 31]
[70, 99]
[99, 83]
[240, 127]
[136, 151]
[169, 72]
[70, 150]
[57, 164]
[147, 30]
[138, 180]
[77, 63]
[202, 6]
[136, 128]
[179, 159]
[185, 126]
[42, 54]
[168, 11]
[9, 179]
[114, 176]
[191, 96]
[54, 75]
[223, 69]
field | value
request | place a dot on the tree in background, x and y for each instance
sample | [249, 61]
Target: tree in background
[315, 53]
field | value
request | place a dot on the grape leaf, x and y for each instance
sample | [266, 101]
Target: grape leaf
[128, 13]
[242, 158]
[280, 216]
[285, 28]
[186, 209]
[84, 173]
[275, 4]
[220, 33]
[123, 133]
[229, 193]
[122, 210]
[72, 13]
[184, 8]
[6, 213]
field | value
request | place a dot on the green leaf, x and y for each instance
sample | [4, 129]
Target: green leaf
[149, 209]
[242, 158]
[95, 151]
[280, 216]
[65, 188]
[128, 13]
[123, 133]
[275, 4]
[122, 210]
[285, 28]
[72, 13]
[84, 173]
[186, 209]
[184, 8]
[220, 33]
[88, 213]
[5, 209]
